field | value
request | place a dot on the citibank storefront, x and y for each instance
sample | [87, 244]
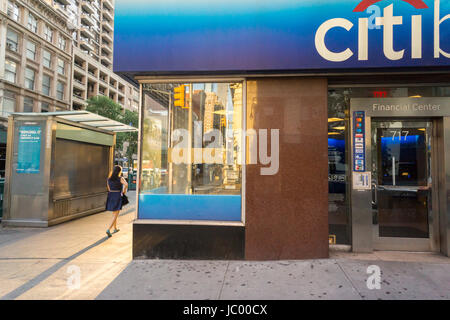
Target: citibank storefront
[272, 130]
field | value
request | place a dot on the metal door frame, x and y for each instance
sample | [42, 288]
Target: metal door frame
[437, 110]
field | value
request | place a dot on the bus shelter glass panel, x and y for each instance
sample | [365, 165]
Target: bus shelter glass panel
[191, 152]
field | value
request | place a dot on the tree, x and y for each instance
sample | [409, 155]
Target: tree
[106, 107]
[130, 118]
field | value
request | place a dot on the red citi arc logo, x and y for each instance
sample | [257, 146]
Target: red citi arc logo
[418, 4]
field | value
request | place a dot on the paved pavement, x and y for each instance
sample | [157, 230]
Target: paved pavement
[344, 276]
[39, 263]
[43, 264]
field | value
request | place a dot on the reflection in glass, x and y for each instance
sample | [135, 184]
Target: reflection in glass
[210, 119]
[403, 157]
[191, 144]
[337, 168]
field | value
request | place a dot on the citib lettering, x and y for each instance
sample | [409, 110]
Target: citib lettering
[388, 22]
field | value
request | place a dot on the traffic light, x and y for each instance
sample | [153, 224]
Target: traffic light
[179, 95]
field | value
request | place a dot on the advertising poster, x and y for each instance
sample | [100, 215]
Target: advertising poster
[29, 149]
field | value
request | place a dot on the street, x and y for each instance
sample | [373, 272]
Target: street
[46, 263]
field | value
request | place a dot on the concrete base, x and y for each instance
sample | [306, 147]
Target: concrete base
[169, 241]
[43, 224]
[76, 216]
[24, 223]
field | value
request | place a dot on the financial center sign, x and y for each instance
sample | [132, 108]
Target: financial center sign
[199, 35]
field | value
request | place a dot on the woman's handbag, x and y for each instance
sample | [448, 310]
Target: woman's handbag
[125, 200]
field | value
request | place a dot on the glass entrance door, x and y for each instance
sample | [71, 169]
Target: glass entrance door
[401, 184]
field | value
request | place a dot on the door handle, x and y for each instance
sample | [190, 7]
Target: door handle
[374, 203]
[374, 195]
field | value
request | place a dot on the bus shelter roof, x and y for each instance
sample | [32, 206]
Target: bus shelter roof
[87, 118]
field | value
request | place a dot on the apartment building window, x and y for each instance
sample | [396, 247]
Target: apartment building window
[60, 90]
[45, 107]
[13, 11]
[61, 66]
[9, 103]
[46, 84]
[10, 70]
[31, 50]
[62, 43]
[32, 23]
[48, 33]
[28, 104]
[47, 59]
[12, 40]
[29, 78]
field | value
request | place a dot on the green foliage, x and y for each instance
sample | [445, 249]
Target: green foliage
[106, 107]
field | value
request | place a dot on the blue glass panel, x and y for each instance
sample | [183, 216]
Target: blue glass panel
[190, 207]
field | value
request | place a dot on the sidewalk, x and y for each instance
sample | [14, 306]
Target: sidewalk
[413, 276]
[36, 264]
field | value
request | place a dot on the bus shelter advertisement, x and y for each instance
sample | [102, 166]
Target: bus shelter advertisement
[232, 35]
[29, 148]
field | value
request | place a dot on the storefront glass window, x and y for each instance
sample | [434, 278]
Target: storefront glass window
[338, 144]
[191, 143]
[338, 105]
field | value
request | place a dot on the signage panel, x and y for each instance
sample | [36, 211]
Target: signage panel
[29, 149]
[362, 180]
[359, 144]
[251, 35]
[402, 107]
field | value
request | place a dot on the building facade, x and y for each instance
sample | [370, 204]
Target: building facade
[35, 62]
[270, 131]
[91, 78]
[95, 35]
[44, 43]
[56, 54]
[36, 59]
[93, 55]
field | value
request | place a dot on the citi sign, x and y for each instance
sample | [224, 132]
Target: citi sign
[387, 21]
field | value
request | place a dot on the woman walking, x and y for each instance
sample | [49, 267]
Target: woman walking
[117, 186]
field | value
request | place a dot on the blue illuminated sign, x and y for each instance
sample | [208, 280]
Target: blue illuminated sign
[29, 149]
[189, 207]
[252, 35]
